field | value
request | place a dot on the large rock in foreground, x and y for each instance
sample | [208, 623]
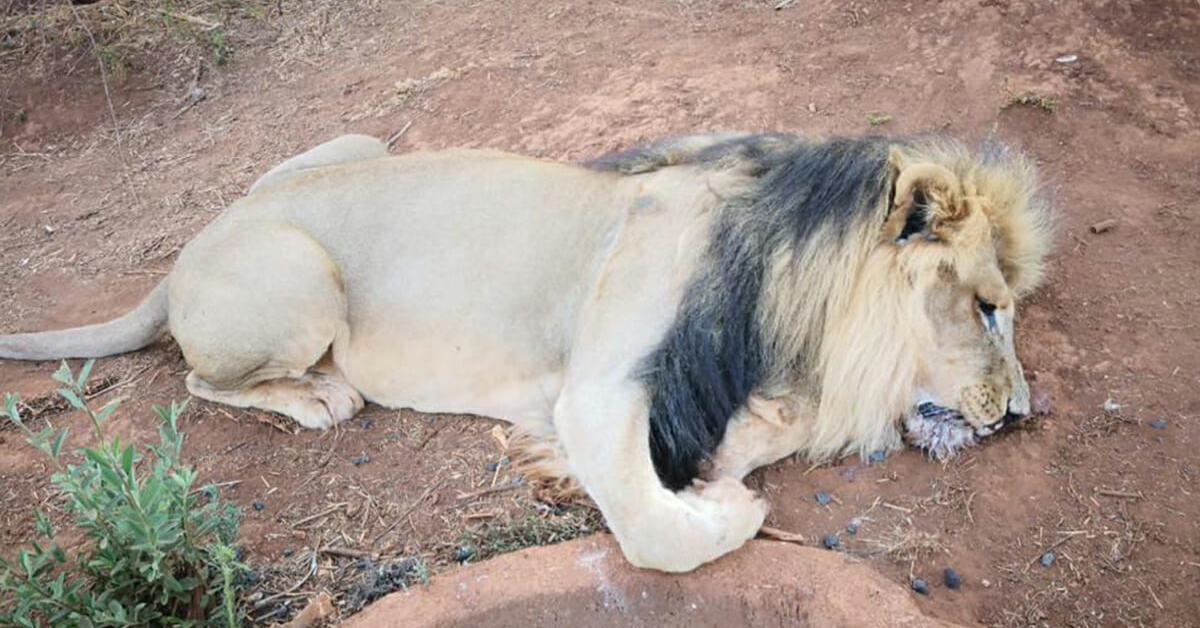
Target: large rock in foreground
[587, 584]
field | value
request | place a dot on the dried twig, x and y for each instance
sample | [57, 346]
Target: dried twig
[103, 74]
[404, 514]
[328, 511]
[346, 552]
[464, 497]
[391, 141]
[781, 535]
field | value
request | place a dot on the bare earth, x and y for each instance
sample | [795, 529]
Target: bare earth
[87, 227]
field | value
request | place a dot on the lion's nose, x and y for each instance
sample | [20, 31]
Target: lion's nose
[1012, 415]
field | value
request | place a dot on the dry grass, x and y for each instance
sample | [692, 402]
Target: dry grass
[908, 545]
[54, 36]
[1033, 99]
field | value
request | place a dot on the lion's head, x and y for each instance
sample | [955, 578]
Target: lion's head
[928, 328]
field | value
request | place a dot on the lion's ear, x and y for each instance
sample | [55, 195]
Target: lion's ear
[926, 200]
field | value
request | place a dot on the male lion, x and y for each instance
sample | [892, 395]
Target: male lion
[665, 319]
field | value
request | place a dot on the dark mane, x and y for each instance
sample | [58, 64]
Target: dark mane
[716, 352]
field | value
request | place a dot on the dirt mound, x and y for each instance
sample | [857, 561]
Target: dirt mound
[586, 583]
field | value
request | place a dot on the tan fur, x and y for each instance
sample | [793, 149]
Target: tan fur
[493, 284]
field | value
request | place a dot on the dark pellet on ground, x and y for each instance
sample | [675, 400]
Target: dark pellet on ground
[464, 553]
[954, 579]
[877, 457]
[920, 586]
[1159, 424]
[1047, 559]
[832, 541]
[491, 466]
[367, 423]
[823, 498]
[361, 460]
[287, 552]
[852, 527]
[258, 506]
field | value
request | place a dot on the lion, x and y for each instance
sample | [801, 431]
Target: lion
[663, 320]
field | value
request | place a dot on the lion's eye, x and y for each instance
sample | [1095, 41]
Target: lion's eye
[989, 312]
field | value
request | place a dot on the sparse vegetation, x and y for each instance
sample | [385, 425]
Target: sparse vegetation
[1031, 98]
[492, 539]
[155, 551]
[43, 33]
[878, 119]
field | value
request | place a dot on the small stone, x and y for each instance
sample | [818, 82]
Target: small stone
[287, 552]
[985, 583]
[954, 579]
[877, 457]
[852, 527]
[492, 466]
[1067, 59]
[49, 230]
[1159, 424]
[832, 541]
[464, 553]
[258, 506]
[361, 460]
[920, 586]
[1111, 405]
[366, 424]
[812, 107]
[196, 95]
[1047, 559]
[823, 498]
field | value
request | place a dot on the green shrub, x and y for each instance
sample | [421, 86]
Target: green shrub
[156, 552]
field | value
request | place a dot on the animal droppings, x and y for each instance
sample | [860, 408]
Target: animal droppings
[832, 541]
[1159, 424]
[464, 553]
[361, 460]
[852, 527]
[954, 579]
[1047, 559]
[877, 457]
[920, 586]
[823, 498]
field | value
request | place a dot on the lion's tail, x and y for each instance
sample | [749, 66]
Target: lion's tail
[136, 329]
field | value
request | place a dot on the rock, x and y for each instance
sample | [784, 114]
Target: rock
[1111, 405]
[1047, 559]
[954, 580]
[1065, 59]
[920, 586]
[196, 95]
[831, 541]
[852, 527]
[587, 583]
[1159, 424]
[823, 498]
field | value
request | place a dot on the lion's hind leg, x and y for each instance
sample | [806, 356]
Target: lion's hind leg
[255, 307]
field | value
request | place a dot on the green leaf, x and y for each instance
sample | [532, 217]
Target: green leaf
[63, 375]
[72, 398]
[10, 408]
[56, 446]
[107, 410]
[127, 462]
[84, 373]
[42, 524]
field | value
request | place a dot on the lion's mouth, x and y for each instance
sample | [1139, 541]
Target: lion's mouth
[940, 431]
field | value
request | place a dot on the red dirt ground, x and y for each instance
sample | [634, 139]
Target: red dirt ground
[87, 227]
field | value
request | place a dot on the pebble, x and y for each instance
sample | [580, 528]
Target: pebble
[258, 506]
[852, 527]
[823, 498]
[1067, 59]
[1047, 559]
[361, 460]
[954, 579]
[920, 586]
[877, 457]
[1111, 405]
[367, 423]
[287, 552]
[1159, 424]
[464, 553]
[832, 541]
[196, 95]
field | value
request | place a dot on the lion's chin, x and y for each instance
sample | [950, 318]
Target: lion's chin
[941, 432]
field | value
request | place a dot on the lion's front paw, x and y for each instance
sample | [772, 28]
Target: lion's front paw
[736, 511]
